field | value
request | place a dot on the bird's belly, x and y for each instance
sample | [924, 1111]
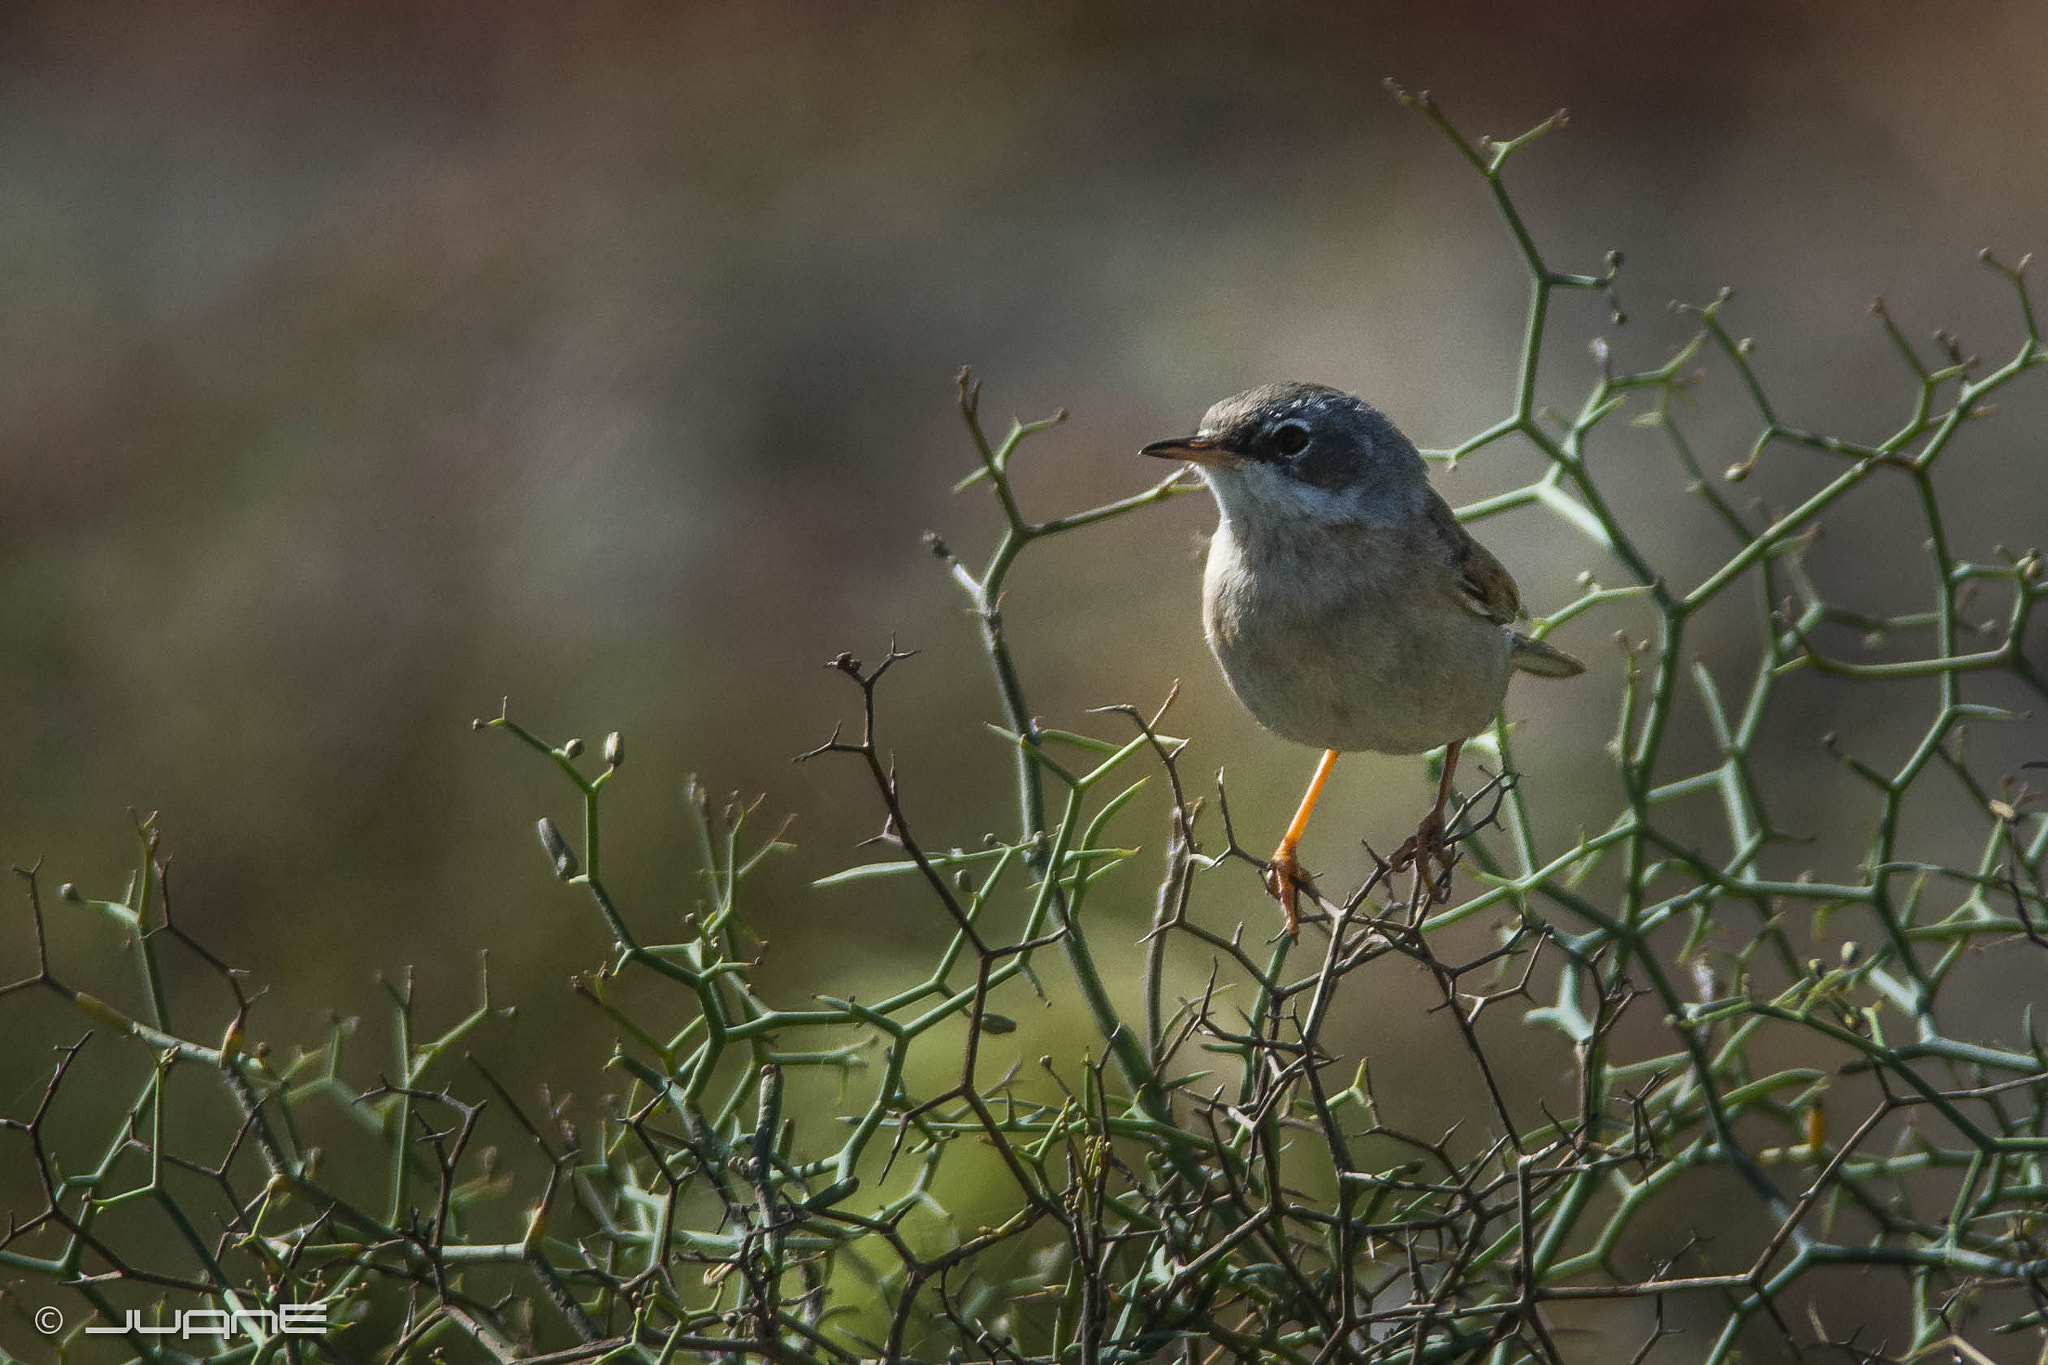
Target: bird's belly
[1351, 675]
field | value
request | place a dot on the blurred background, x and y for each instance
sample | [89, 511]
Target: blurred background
[361, 364]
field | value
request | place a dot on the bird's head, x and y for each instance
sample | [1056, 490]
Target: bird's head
[1287, 452]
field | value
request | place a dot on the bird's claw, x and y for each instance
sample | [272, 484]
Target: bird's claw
[1429, 853]
[1286, 879]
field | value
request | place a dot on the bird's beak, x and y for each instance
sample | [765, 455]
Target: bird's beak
[1195, 450]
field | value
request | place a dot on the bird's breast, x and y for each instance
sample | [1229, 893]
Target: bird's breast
[1349, 641]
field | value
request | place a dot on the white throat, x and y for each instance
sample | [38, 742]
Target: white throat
[1255, 498]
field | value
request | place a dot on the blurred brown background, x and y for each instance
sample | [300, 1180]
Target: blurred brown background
[362, 363]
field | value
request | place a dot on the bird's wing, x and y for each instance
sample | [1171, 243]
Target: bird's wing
[1482, 584]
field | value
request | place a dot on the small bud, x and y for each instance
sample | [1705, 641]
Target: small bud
[1815, 1122]
[614, 750]
[1736, 473]
[936, 545]
[1746, 346]
[557, 849]
[994, 1023]
[68, 892]
[571, 748]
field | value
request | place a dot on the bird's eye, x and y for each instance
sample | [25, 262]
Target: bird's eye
[1290, 438]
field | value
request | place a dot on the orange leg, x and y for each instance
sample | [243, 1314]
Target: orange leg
[1284, 876]
[1428, 845]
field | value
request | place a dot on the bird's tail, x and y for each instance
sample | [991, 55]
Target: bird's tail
[1533, 656]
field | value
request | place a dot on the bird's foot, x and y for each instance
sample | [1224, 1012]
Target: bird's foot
[1286, 879]
[1429, 853]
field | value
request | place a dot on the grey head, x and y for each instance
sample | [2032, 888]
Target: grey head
[1282, 452]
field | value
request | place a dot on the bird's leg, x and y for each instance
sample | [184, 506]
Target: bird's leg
[1285, 878]
[1428, 846]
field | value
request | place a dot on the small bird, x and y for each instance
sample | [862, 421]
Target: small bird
[1348, 608]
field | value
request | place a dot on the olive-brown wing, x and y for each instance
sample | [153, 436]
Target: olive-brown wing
[1481, 583]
